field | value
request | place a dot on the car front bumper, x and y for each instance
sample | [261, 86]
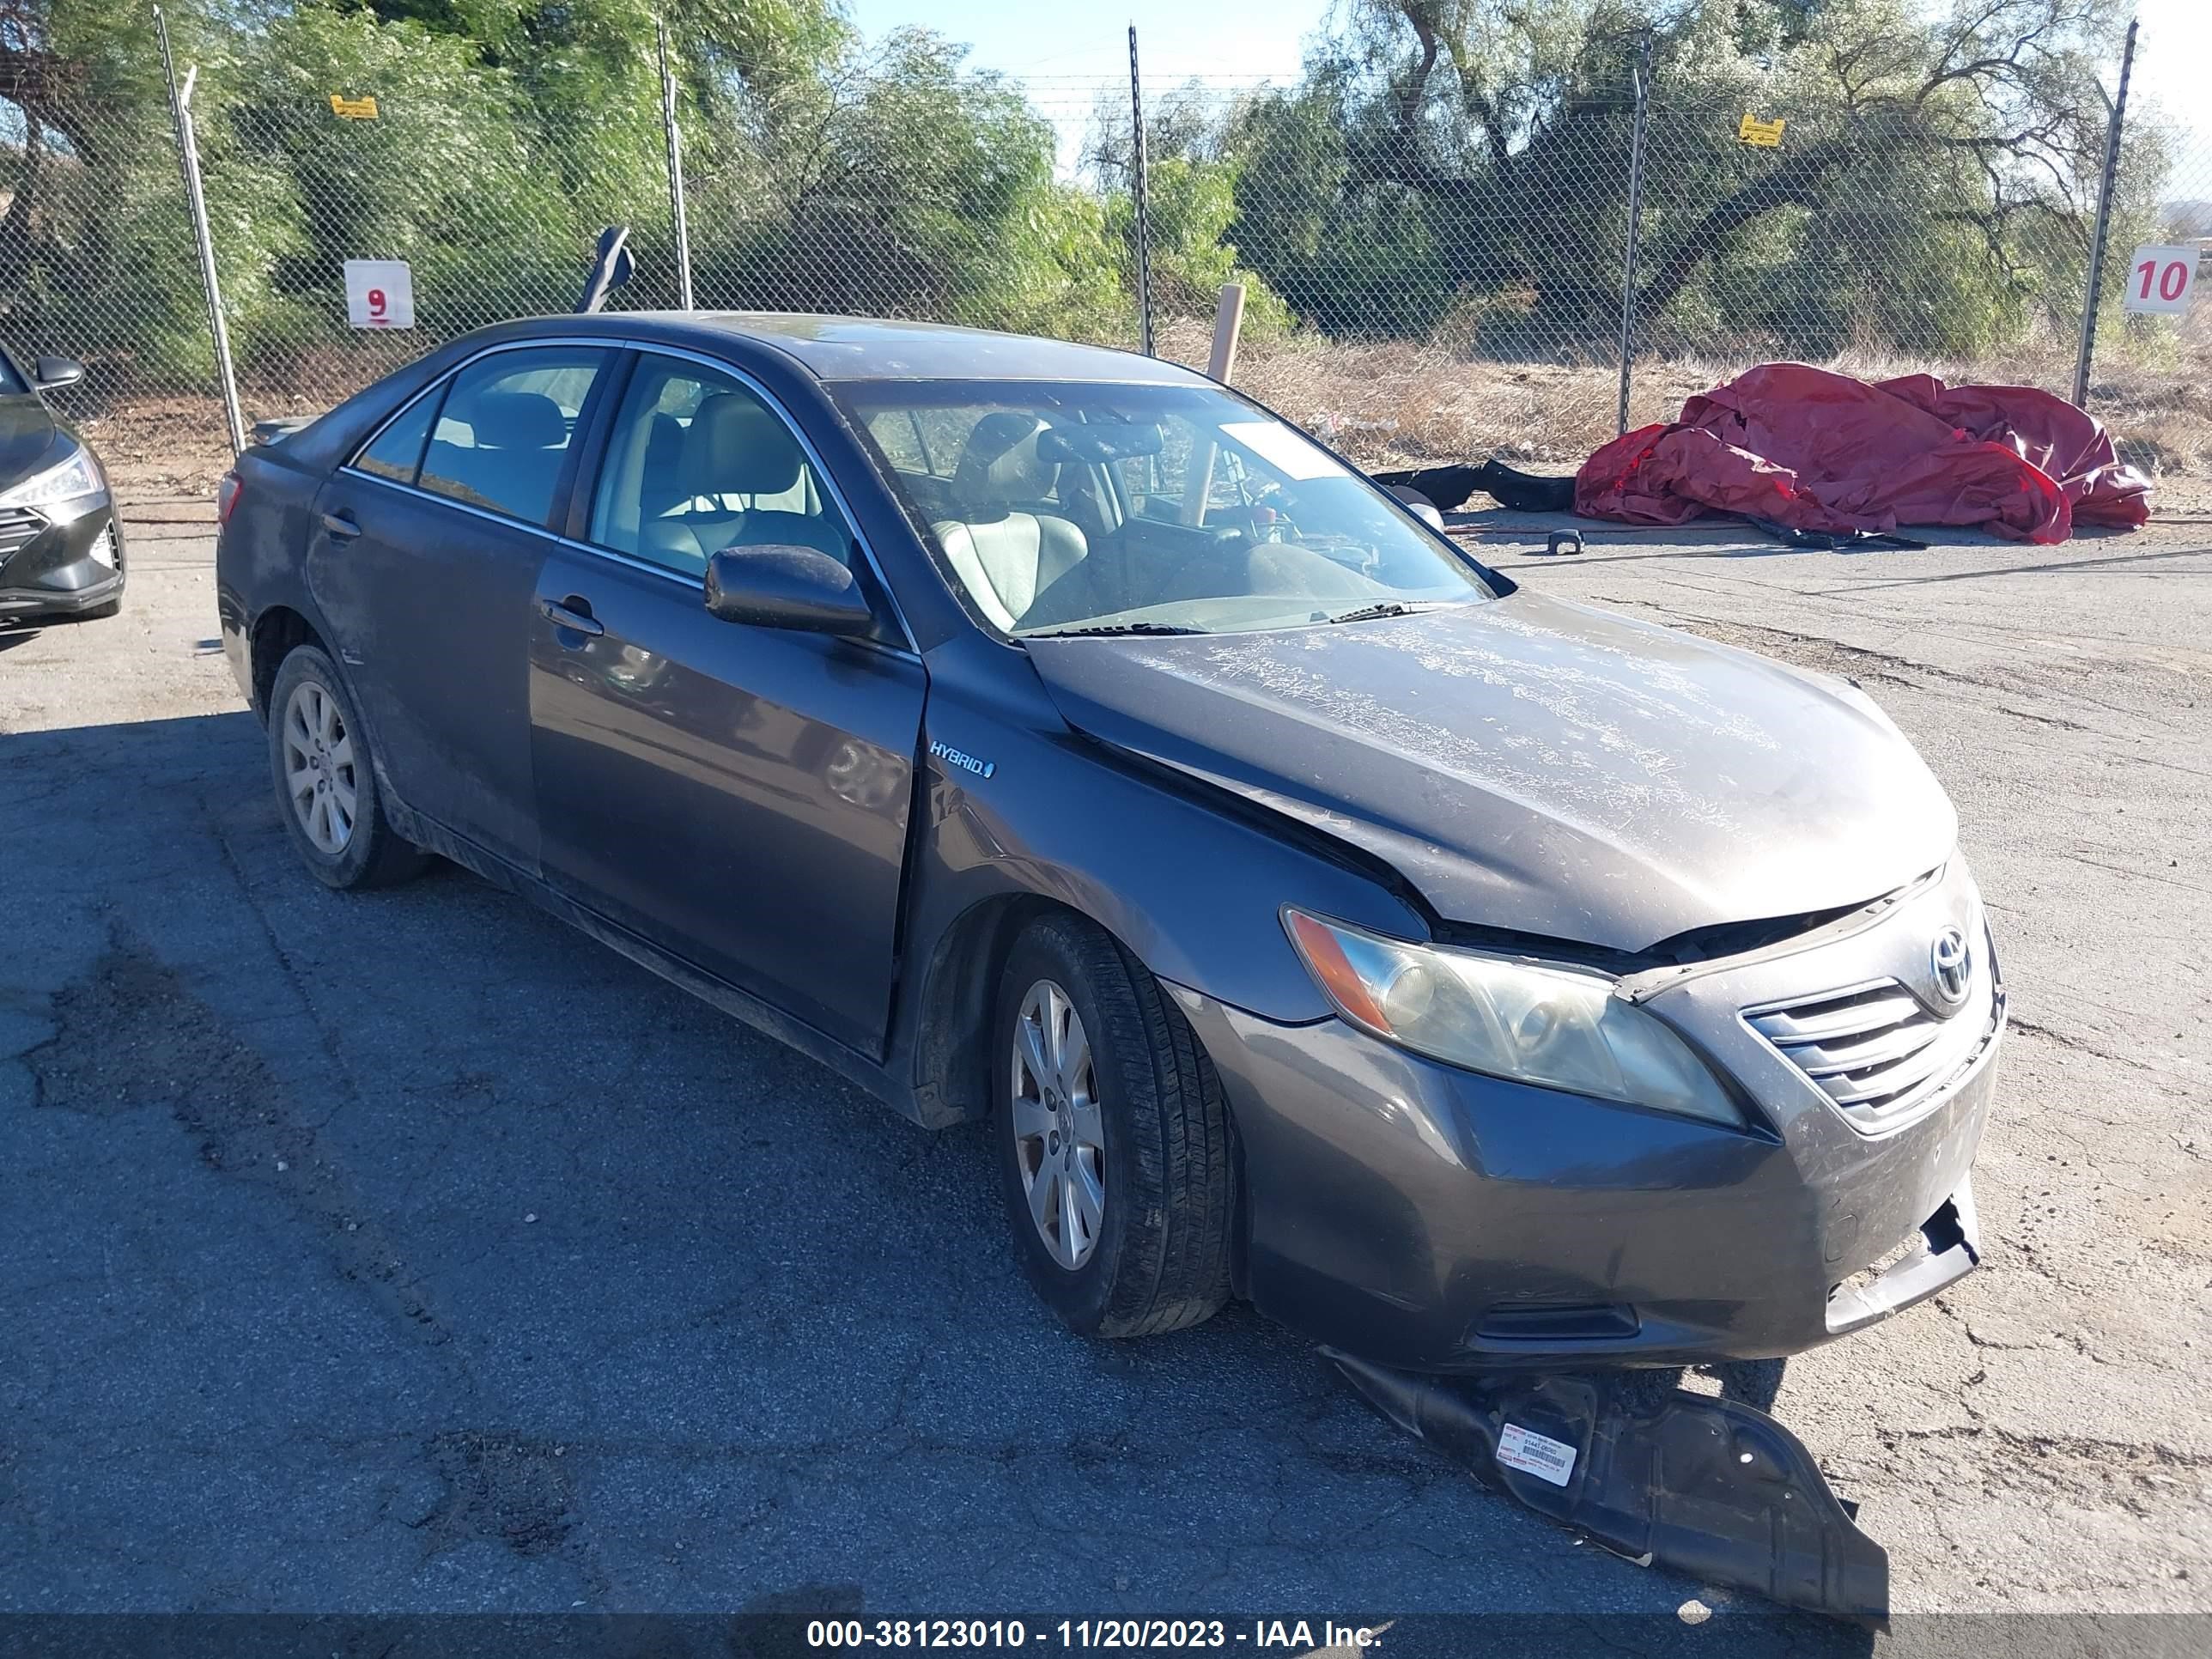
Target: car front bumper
[60, 558]
[1431, 1219]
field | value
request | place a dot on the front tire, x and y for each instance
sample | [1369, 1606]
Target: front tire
[325, 780]
[1112, 1136]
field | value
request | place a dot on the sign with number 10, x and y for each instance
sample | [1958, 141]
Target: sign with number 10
[2162, 279]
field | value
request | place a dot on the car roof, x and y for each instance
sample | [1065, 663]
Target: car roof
[870, 348]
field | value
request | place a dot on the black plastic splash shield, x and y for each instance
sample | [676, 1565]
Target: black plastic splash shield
[1703, 1486]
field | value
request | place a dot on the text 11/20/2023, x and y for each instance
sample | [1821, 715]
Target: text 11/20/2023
[1285, 1635]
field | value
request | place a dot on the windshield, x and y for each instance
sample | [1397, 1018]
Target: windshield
[1060, 507]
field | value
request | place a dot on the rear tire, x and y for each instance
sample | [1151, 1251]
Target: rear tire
[1100, 1093]
[325, 780]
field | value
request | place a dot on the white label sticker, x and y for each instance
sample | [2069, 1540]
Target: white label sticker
[379, 293]
[1535, 1454]
[2159, 279]
[1286, 449]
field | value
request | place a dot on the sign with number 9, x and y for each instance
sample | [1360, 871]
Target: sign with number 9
[379, 293]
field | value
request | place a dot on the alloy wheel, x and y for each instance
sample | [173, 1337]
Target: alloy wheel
[1060, 1141]
[318, 768]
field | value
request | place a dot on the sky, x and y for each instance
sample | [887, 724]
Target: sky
[1176, 39]
[1179, 39]
[2173, 61]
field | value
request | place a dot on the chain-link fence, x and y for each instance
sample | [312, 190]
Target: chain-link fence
[900, 188]
[95, 247]
[1433, 269]
[2151, 378]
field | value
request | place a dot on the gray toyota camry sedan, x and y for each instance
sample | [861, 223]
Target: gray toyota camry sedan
[1048, 735]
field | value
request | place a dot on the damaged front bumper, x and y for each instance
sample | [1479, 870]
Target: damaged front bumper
[1430, 1218]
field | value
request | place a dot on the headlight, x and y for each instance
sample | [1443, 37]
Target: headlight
[1559, 1028]
[79, 475]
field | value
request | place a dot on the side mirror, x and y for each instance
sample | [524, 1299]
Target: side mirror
[787, 587]
[58, 370]
[1418, 505]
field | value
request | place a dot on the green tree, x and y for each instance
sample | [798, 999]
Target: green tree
[96, 250]
[902, 183]
[1464, 162]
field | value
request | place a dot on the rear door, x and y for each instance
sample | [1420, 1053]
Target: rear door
[423, 560]
[738, 795]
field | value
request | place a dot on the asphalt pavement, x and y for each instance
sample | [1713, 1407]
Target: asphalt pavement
[409, 1252]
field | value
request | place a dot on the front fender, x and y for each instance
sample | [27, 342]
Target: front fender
[1193, 890]
[1013, 809]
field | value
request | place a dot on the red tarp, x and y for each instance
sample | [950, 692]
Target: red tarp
[1819, 451]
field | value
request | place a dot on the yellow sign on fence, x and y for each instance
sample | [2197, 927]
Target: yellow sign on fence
[1761, 135]
[364, 109]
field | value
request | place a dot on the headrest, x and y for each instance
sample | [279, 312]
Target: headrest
[999, 464]
[516, 420]
[735, 446]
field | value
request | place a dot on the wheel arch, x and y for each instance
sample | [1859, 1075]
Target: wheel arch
[950, 1068]
[278, 632]
[952, 1063]
[950, 1074]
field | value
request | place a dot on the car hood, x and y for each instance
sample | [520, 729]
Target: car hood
[1535, 765]
[27, 433]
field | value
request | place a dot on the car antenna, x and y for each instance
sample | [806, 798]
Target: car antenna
[612, 266]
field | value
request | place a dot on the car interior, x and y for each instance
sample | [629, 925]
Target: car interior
[733, 477]
[1070, 517]
[1047, 525]
[510, 456]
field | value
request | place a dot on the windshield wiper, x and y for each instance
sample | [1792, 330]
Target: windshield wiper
[1372, 612]
[1109, 628]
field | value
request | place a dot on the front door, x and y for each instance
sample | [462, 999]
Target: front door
[738, 795]
[423, 559]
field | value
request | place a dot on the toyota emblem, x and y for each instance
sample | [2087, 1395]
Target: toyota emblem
[1953, 966]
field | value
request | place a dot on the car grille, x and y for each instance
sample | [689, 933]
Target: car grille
[17, 525]
[1875, 1050]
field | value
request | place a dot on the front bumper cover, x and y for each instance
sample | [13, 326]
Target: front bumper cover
[55, 570]
[1433, 1220]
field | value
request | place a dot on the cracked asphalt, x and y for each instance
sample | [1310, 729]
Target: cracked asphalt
[410, 1253]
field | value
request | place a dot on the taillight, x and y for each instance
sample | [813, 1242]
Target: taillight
[225, 497]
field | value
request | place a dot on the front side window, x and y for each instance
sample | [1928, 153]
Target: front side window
[503, 432]
[1067, 507]
[696, 463]
[10, 381]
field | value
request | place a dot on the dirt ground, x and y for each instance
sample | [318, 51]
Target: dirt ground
[1391, 406]
[410, 1252]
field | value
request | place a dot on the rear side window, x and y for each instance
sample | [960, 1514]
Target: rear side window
[398, 451]
[502, 434]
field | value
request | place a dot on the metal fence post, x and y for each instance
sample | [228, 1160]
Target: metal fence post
[1137, 187]
[2103, 225]
[1635, 231]
[675, 136]
[188, 158]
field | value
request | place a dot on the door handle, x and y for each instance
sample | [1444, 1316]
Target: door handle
[564, 613]
[341, 527]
